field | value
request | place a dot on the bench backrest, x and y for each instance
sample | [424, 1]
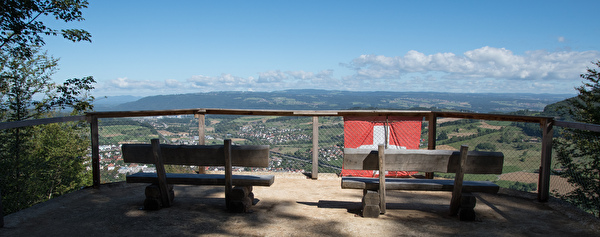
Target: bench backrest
[444, 161]
[200, 155]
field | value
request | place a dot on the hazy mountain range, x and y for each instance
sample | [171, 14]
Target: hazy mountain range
[334, 100]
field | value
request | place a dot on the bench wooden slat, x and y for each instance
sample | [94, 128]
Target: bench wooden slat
[418, 184]
[203, 179]
[200, 155]
[478, 162]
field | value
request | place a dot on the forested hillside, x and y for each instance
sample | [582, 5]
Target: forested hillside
[341, 100]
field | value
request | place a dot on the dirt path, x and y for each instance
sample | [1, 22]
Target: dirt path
[293, 206]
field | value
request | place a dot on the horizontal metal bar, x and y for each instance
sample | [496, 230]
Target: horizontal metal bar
[578, 125]
[34, 122]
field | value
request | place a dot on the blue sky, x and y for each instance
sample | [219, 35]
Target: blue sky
[149, 47]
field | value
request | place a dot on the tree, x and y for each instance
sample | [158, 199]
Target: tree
[486, 146]
[22, 29]
[29, 92]
[39, 162]
[578, 151]
[443, 136]
[31, 162]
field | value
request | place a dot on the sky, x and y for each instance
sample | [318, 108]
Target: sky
[145, 48]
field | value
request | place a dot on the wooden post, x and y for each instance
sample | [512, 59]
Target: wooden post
[432, 127]
[1, 212]
[381, 153]
[201, 137]
[160, 173]
[546, 162]
[95, 151]
[228, 172]
[315, 154]
[458, 181]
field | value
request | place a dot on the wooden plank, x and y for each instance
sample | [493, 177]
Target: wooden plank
[446, 185]
[203, 179]
[381, 152]
[497, 117]
[315, 148]
[160, 173]
[478, 162]
[95, 140]
[383, 113]
[458, 181]
[578, 125]
[201, 155]
[316, 113]
[1, 211]
[34, 122]
[201, 136]
[431, 138]
[144, 113]
[546, 161]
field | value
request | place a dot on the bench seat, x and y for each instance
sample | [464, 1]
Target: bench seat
[418, 184]
[203, 179]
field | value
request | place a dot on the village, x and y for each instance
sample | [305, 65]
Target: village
[178, 131]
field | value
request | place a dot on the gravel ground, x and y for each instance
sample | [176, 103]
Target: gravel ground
[293, 206]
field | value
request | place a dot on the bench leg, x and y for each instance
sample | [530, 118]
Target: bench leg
[153, 198]
[241, 199]
[370, 204]
[467, 204]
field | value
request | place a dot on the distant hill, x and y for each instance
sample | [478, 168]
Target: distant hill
[560, 109]
[109, 102]
[342, 100]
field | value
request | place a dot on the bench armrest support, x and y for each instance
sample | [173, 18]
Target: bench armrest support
[458, 181]
[161, 173]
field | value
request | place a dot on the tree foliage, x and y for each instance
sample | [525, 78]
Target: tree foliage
[578, 151]
[39, 162]
[22, 29]
[485, 146]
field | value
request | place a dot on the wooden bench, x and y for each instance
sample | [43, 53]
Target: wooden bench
[458, 162]
[160, 193]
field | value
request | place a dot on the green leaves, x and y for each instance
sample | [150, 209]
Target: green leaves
[21, 29]
[577, 151]
[77, 35]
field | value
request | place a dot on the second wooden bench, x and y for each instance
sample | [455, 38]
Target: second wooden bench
[444, 161]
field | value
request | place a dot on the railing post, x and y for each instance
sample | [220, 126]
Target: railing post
[546, 161]
[381, 156]
[201, 137]
[1, 212]
[95, 151]
[315, 153]
[432, 127]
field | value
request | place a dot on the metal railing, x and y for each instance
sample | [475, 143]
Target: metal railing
[431, 135]
[324, 131]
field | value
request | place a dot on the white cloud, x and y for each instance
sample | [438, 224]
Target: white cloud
[561, 39]
[126, 83]
[172, 83]
[485, 62]
[223, 82]
[271, 76]
[301, 75]
[485, 69]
